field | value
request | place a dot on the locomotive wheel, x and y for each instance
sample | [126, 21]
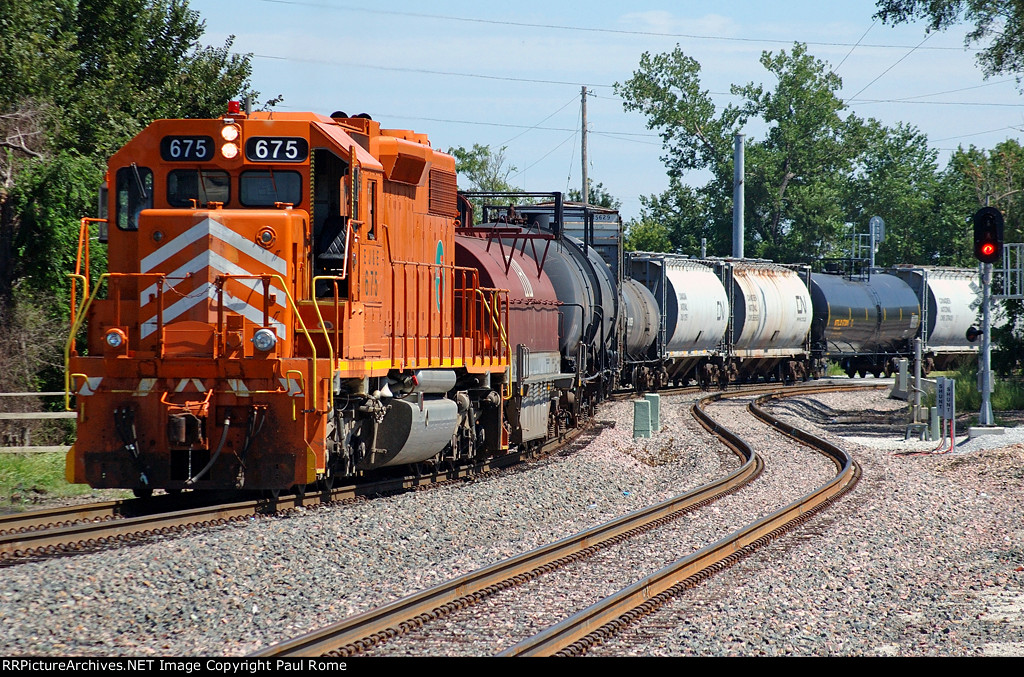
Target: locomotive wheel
[143, 492]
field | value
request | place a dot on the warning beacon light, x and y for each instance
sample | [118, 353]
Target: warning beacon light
[988, 235]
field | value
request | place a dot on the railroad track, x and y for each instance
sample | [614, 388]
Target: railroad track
[75, 529]
[575, 634]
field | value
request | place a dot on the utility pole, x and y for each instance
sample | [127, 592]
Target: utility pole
[737, 197]
[585, 192]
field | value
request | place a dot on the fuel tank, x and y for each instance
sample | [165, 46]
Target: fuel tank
[863, 315]
[949, 299]
[414, 430]
[771, 307]
[691, 299]
[642, 318]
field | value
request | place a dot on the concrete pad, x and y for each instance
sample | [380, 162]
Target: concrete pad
[977, 431]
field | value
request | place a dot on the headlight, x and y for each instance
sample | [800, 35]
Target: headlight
[115, 338]
[264, 340]
[229, 150]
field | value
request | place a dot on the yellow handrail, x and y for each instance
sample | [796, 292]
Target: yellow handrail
[323, 325]
[76, 326]
[69, 344]
[302, 385]
[494, 313]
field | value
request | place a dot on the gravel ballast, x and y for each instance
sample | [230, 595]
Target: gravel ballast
[924, 558]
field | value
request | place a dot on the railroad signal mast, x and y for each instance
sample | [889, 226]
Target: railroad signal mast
[988, 249]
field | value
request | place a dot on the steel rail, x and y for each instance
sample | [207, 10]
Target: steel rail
[575, 634]
[362, 631]
[58, 516]
[75, 528]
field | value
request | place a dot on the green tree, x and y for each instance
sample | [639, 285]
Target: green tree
[644, 235]
[598, 194]
[80, 78]
[689, 216]
[896, 178]
[486, 169]
[794, 175]
[975, 178]
[1000, 22]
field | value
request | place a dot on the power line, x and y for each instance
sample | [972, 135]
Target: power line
[583, 29]
[964, 136]
[898, 61]
[851, 100]
[537, 126]
[937, 103]
[424, 71]
[568, 138]
[854, 47]
[954, 91]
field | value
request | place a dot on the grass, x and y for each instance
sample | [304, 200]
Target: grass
[1008, 395]
[834, 369]
[27, 479]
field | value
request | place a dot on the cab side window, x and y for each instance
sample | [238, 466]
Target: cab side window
[134, 193]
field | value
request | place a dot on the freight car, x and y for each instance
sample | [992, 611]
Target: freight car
[866, 323]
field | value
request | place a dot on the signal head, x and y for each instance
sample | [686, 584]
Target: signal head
[988, 235]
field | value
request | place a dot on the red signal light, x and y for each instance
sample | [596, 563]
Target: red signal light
[988, 235]
[234, 107]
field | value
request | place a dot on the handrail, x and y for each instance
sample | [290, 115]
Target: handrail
[496, 321]
[401, 270]
[83, 253]
[80, 318]
[291, 301]
[337, 335]
[77, 325]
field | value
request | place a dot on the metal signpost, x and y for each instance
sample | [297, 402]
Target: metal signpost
[876, 226]
[988, 249]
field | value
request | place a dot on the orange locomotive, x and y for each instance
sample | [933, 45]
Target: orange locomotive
[281, 307]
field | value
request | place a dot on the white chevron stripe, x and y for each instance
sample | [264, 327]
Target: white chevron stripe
[90, 385]
[238, 387]
[208, 291]
[211, 259]
[213, 229]
[145, 387]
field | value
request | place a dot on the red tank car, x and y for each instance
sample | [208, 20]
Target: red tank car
[536, 377]
[281, 307]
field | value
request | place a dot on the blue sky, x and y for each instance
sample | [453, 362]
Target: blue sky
[510, 75]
